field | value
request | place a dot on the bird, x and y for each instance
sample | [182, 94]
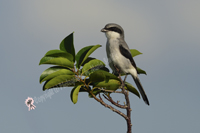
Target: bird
[119, 55]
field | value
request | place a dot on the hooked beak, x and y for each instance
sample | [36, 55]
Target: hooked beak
[103, 30]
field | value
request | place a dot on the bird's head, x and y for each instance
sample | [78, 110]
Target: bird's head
[113, 31]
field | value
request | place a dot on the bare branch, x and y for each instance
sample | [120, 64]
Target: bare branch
[112, 108]
[111, 91]
[115, 103]
[100, 100]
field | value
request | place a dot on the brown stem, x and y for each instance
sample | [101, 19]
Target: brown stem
[111, 91]
[128, 109]
[113, 102]
[100, 100]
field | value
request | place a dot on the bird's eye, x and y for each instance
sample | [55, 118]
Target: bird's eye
[115, 29]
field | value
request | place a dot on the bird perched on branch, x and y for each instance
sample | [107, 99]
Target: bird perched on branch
[119, 55]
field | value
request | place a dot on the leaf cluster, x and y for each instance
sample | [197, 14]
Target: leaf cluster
[80, 71]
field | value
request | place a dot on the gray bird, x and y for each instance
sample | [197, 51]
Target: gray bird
[119, 55]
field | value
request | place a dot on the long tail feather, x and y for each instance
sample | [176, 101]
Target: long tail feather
[142, 92]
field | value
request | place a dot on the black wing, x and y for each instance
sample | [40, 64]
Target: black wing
[127, 54]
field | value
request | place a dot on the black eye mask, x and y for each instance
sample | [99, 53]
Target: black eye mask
[115, 29]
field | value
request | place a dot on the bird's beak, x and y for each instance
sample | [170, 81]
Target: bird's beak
[103, 30]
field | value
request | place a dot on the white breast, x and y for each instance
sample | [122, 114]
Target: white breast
[116, 58]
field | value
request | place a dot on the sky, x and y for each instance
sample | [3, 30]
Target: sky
[166, 32]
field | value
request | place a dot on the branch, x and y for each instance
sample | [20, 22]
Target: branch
[108, 106]
[111, 91]
[112, 108]
[128, 109]
[113, 102]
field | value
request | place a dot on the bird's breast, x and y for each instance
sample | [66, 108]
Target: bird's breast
[115, 58]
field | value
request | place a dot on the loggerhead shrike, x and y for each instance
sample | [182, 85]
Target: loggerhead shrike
[119, 55]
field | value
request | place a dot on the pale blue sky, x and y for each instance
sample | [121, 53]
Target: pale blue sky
[166, 32]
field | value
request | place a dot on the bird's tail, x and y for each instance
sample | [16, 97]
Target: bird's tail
[142, 92]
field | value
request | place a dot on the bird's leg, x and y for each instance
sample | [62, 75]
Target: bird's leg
[119, 75]
[125, 78]
[117, 71]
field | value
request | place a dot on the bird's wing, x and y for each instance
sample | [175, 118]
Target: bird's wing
[126, 53]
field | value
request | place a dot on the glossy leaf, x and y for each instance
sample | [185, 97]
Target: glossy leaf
[70, 83]
[57, 73]
[67, 45]
[84, 53]
[57, 61]
[50, 71]
[87, 60]
[93, 64]
[58, 80]
[101, 75]
[74, 93]
[140, 71]
[132, 89]
[60, 53]
[135, 52]
[111, 84]
[103, 68]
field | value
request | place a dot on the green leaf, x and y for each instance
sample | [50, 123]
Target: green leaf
[57, 73]
[140, 71]
[67, 45]
[50, 71]
[69, 83]
[132, 89]
[57, 61]
[104, 69]
[87, 60]
[111, 84]
[95, 69]
[101, 75]
[135, 52]
[58, 80]
[74, 93]
[93, 64]
[83, 54]
[60, 53]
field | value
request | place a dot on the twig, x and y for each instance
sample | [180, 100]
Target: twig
[100, 100]
[113, 102]
[112, 91]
